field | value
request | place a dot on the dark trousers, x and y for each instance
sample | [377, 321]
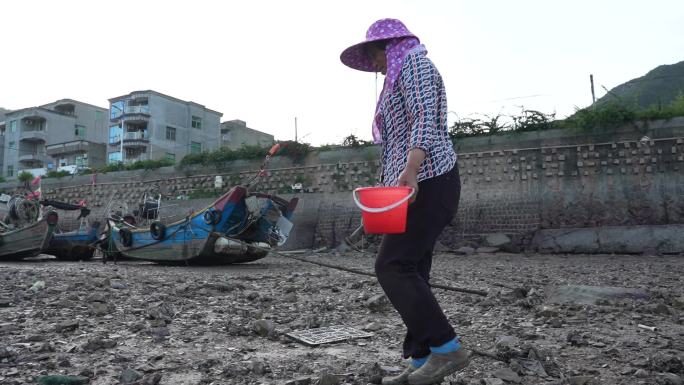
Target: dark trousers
[404, 261]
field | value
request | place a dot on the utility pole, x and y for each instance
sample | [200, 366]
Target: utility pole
[295, 129]
[593, 96]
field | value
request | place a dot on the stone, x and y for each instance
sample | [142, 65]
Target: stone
[129, 376]
[151, 379]
[579, 380]
[668, 379]
[4, 302]
[641, 373]
[115, 284]
[465, 250]
[377, 303]
[486, 250]
[588, 295]
[507, 375]
[62, 380]
[263, 327]
[37, 286]
[492, 381]
[328, 379]
[300, 381]
[66, 326]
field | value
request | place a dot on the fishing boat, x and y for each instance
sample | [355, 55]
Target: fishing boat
[240, 226]
[72, 239]
[25, 228]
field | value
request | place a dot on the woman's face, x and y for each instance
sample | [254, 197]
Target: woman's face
[378, 58]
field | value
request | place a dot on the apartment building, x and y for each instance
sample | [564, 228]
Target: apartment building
[65, 133]
[148, 125]
[235, 134]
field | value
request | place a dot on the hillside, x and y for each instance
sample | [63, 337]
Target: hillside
[659, 86]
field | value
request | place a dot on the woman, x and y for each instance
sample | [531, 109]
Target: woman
[411, 123]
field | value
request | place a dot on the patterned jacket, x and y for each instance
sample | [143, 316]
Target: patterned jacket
[414, 115]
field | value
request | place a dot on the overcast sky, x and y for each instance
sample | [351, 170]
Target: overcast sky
[267, 62]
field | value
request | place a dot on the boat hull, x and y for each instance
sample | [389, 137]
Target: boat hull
[25, 242]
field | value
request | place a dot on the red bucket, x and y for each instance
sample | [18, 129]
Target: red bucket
[383, 208]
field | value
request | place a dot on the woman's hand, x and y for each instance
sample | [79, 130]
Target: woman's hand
[409, 178]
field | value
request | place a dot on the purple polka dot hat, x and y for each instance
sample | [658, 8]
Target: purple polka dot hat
[356, 57]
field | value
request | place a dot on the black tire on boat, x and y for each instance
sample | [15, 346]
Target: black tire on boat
[126, 237]
[212, 217]
[130, 219]
[158, 230]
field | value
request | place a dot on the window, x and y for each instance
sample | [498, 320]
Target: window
[12, 145]
[98, 116]
[82, 160]
[114, 157]
[10, 170]
[13, 126]
[79, 131]
[170, 133]
[170, 156]
[114, 133]
[195, 147]
[196, 122]
[116, 109]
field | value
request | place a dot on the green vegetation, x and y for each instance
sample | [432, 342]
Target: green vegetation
[140, 165]
[57, 174]
[659, 87]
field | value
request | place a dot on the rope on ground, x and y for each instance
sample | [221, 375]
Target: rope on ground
[362, 272]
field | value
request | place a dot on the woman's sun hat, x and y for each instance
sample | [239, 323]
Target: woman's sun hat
[383, 29]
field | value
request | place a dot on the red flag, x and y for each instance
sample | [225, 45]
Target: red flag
[36, 180]
[82, 203]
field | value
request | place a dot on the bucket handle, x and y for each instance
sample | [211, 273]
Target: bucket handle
[375, 210]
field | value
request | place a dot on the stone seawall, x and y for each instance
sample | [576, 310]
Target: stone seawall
[566, 181]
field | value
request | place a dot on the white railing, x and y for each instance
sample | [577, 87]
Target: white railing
[136, 135]
[137, 109]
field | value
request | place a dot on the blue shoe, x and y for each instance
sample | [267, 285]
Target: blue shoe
[438, 366]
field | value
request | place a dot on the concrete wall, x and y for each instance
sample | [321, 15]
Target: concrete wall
[515, 190]
[235, 134]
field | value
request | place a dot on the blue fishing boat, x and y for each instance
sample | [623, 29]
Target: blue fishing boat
[75, 239]
[239, 226]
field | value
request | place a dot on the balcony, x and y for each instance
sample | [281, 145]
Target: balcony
[67, 148]
[140, 113]
[33, 136]
[30, 158]
[138, 158]
[131, 139]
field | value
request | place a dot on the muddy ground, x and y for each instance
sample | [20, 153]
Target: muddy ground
[148, 324]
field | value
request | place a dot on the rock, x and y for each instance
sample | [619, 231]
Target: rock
[300, 381]
[159, 334]
[66, 326]
[62, 380]
[668, 379]
[38, 286]
[100, 308]
[492, 381]
[497, 240]
[4, 302]
[130, 376]
[377, 303]
[328, 379]
[507, 374]
[664, 362]
[97, 344]
[465, 250]
[641, 373]
[372, 326]
[486, 250]
[117, 285]
[290, 297]
[96, 297]
[151, 379]
[588, 295]
[263, 327]
[579, 380]
[509, 341]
